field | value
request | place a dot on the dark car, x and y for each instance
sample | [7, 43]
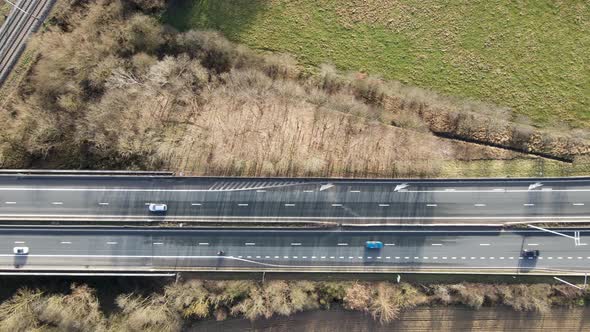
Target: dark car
[530, 253]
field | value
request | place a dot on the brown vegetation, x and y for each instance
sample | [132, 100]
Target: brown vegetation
[132, 94]
[180, 303]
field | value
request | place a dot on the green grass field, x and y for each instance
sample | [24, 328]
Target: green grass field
[532, 56]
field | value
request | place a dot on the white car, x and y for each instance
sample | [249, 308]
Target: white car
[20, 250]
[157, 207]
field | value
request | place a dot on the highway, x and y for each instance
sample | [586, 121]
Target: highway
[23, 19]
[343, 201]
[165, 250]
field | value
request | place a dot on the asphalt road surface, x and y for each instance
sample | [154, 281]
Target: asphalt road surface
[290, 250]
[125, 198]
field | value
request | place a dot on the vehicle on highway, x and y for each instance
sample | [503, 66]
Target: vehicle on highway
[158, 207]
[20, 250]
[374, 244]
[530, 253]
[220, 253]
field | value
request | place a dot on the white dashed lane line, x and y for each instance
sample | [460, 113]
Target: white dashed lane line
[479, 205]
[578, 204]
[158, 243]
[203, 243]
[342, 244]
[57, 203]
[250, 244]
[432, 205]
[66, 242]
[484, 244]
[296, 244]
[9, 202]
[437, 244]
[528, 204]
[112, 242]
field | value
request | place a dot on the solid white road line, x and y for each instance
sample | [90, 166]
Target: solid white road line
[260, 191]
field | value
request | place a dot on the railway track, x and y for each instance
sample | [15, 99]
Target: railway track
[21, 22]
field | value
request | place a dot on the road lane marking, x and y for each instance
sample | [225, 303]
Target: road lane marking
[111, 242]
[355, 191]
[331, 257]
[388, 257]
[528, 204]
[158, 243]
[416, 257]
[341, 257]
[437, 244]
[289, 204]
[19, 242]
[383, 205]
[336, 205]
[484, 244]
[203, 243]
[57, 203]
[435, 257]
[342, 244]
[389, 244]
[296, 244]
[463, 257]
[257, 256]
[453, 257]
[472, 257]
[432, 205]
[250, 244]
[323, 257]
[242, 204]
[9, 202]
[444, 257]
[424, 257]
[479, 204]
[313, 257]
[450, 189]
[103, 203]
[578, 204]
[397, 257]
[66, 242]
[406, 257]
[350, 257]
[196, 204]
[532, 244]
[510, 257]
[266, 256]
[260, 191]
[498, 189]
